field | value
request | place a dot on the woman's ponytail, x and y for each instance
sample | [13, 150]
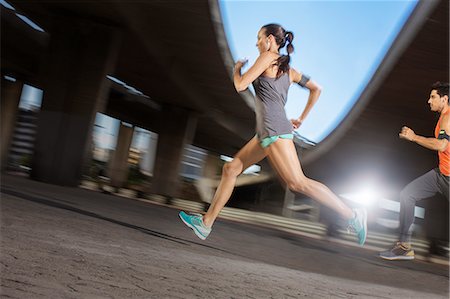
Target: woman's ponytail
[284, 60]
[289, 38]
[282, 38]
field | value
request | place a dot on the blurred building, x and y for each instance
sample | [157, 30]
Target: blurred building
[22, 145]
[192, 163]
[101, 154]
[134, 156]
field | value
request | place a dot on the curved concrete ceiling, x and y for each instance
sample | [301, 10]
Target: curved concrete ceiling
[169, 52]
[177, 53]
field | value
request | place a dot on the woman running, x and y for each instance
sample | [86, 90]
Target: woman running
[272, 76]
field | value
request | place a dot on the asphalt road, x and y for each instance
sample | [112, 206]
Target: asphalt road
[61, 242]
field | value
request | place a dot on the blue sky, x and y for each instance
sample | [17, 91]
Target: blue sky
[338, 43]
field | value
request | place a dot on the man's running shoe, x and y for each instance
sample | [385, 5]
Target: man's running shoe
[400, 251]
[195, 221]
[359, 225]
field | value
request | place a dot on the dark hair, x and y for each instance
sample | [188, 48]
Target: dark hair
[281, 38]
[441, 88]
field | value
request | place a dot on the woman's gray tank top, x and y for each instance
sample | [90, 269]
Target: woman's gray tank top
[271, 96]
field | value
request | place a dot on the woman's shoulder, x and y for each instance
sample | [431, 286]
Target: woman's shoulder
[269, 56]
[284, 75]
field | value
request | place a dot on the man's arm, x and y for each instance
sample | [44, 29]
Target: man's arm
[431, 143]
[428, 142]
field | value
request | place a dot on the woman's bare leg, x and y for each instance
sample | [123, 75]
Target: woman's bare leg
[283, 157]
[250, 154]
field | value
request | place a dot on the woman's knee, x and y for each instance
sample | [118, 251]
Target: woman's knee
[232, 169]
[299, 185]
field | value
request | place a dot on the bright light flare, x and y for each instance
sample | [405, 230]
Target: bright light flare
[366, 196]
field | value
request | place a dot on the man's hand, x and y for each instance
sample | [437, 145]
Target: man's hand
[407, 133]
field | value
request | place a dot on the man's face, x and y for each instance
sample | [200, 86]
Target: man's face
[436, 101]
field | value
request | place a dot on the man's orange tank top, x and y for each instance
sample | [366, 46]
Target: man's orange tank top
[444, 157]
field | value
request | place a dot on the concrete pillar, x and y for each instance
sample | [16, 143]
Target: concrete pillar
[207, 184]
[80, 55]
[177, 130]
[289, 201]
[10, 98]
[212, 167]
[148, 161]
[118, 166]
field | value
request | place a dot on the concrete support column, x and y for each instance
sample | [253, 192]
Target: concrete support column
[177, 130]
[10, 98]
[80, 55]
[289, 200]
[148, 162]
[210, 179]
[211, 168]
[118, 167]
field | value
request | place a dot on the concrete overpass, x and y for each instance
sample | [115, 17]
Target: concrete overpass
[175, 54]
[178, 56]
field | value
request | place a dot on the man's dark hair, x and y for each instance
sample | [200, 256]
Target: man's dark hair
[441, 88]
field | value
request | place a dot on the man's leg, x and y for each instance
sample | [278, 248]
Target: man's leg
[423, 187]
[443, 183]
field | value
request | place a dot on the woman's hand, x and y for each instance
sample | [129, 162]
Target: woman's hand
[296, 123]
[240, 63]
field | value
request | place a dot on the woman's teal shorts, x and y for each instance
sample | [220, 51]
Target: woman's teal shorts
[269, 140]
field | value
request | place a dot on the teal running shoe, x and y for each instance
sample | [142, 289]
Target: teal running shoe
[195, 221]
[359, 225]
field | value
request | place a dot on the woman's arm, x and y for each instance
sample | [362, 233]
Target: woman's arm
[314, 93]
[241, 82]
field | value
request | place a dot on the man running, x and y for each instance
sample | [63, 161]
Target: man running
[434, 181]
